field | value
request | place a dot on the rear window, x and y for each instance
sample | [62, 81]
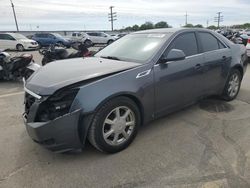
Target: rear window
[209, 42]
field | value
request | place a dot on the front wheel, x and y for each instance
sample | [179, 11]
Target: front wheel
[109, 42]
[232, 86]
[45, 61]
[20, 47]
[28, 73]
[115, 125]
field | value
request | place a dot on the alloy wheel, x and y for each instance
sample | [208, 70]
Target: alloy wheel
[118, 126]
[234, 85]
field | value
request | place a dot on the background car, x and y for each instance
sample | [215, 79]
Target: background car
[46, 39]
[118, 36]
[100, 38]
[16, 41]
[80, 37]
[248, 49]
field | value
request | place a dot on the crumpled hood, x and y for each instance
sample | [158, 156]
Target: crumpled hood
[58, 74]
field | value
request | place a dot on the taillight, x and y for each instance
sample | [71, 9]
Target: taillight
[248, 41]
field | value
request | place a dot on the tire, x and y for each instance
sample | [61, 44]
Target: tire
[28, 73]
[110, 41]
[88, 43]
[20, 47]
[39, 45]
[60, 44]
[232, 86]
[45, 61]
[118, 135]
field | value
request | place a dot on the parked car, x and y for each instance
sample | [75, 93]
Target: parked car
[136, 79]
[100, 38]
[16, 41]
[46, 39]
[81, 37]
[248, 48]
[120, 35]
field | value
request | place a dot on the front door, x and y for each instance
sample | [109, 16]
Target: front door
[177, 82]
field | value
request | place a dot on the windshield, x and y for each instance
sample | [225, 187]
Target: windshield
[18, 36]
[134, 47]
[57, 35]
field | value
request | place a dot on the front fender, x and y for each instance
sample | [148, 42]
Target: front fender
[90, 97]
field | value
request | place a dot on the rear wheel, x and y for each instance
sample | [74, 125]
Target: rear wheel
[20, 47]
[115, 125]
[88, 43]
[232, 86]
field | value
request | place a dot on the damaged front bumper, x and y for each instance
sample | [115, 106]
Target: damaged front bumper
[58, 135]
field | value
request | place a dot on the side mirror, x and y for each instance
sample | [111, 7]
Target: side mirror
[174, 55]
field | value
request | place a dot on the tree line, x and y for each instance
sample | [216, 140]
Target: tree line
[163, 24]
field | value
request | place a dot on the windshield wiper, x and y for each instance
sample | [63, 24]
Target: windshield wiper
[111, 57]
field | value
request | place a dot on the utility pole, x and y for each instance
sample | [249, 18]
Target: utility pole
[112, 17]
[218, 19]
[13, 8]
[207, 23]
[186, 15]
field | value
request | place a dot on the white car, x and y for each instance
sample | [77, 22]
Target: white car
[100, 38]
[248, 48]
[16, 41]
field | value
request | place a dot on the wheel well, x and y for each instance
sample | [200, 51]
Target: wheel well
[138, 103]
[239, 68]
[87, 119]
[19, 45]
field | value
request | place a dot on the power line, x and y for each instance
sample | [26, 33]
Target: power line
[218, 19]
[13, 8]
[112, 17]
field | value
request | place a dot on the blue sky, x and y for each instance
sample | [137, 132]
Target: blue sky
[93, 14]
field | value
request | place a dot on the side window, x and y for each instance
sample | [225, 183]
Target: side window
[99, 34]
[9, 37]
[1, 37]
[102, 34]
[6, 37]
[209, 42]
[92, 34]
[187, 43]
[221, 46]
[50, 36]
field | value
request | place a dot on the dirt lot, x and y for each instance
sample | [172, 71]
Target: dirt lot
[206, 145]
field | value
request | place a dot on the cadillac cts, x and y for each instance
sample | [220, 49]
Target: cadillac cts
[136, 79]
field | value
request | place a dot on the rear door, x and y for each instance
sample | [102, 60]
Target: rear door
[94, 38]
[7, 42]
[178, 82]
[3, 44]
[217, 62]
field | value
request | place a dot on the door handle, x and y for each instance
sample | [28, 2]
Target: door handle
[197, 66]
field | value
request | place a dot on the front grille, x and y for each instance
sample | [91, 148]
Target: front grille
[28, 101]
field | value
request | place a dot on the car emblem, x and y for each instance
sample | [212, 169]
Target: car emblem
[144, 73]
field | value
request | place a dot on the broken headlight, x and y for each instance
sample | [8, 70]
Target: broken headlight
[56, 105]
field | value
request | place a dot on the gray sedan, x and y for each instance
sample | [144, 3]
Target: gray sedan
[136, 79]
